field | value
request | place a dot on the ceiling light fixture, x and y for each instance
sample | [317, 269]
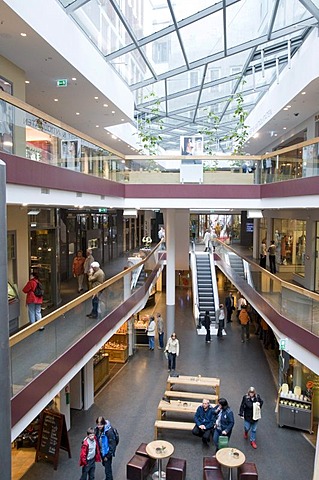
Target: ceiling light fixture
[285, 108]
[284, 128]
[77, 113]
[97, 126]
[27, 81]
[114, 137]
[23, 34]
[56, 99]
[74, 79]
[105, 105]
[303, 93]
[96, 98]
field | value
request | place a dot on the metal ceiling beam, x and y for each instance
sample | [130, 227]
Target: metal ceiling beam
[225, 27]
[200, 93]
[178, 33]
[272, 19]
[309, 5]
[75, 5]
[132, 35]
[171, 28]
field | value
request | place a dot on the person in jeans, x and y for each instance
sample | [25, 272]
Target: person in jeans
[224, 420]
[107, 443]
[96, 277]
[90, 453]
[34, 303]
[246, 412]
[204, 421]
[150, 331]
[172, 349]
[272, 256]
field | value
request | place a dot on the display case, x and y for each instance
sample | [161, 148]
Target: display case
[101, 369]
[117, 346]
[140, 326]
[295, 412]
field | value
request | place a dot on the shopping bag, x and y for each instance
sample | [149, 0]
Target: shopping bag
[222, 441]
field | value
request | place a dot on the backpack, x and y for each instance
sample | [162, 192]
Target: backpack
[116, 435]
[38, 291]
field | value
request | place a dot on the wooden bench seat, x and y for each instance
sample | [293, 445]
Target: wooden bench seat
[190, 395]
[171, 425]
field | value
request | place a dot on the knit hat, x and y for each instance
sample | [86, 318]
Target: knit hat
[95, 265]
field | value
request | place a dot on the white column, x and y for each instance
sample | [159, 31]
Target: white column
[76, 391]
[170, 270]
[65, 405]
[88, 385]
[256, 239]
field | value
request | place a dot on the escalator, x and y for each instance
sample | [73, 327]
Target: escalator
[205, 282]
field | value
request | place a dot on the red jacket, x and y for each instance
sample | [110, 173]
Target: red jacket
[29, 290]
[85, 451]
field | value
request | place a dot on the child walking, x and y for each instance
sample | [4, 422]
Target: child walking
[90, 453]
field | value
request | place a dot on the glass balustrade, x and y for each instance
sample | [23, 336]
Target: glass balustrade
[30, 134]
[295, 303]
[68, 324]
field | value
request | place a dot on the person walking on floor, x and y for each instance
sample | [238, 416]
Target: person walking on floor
[34, 302]
[107, 443]
[204, 421]
[78, 269]
[263, 254]
[244, 319]
[87, 265]
[90, 453]
[96, 278]
[206, 324]
[160, 330]
[221, 321]
[272, 256]
[250, 402]
[150, 331]
[224, 422]
[172, 350]
[229, 304]
[240, 303]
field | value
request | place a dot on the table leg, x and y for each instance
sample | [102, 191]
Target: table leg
[159, 475]
[230, 474]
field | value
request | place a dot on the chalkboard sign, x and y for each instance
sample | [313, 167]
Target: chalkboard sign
[53, 435]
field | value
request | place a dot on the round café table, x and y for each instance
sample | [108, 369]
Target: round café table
[159, 449]
[231, 458]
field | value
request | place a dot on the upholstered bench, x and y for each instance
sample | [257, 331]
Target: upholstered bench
[176, 469]
[141, 450]
[247, 471]
[210, 463]
[213, 474]
[138, 468]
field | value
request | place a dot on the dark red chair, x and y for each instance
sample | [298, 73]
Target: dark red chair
[176, 469]
[210, 463]
[213, 474]
[247, 471]
[141, 450]
[138, 468]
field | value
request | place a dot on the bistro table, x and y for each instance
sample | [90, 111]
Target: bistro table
[194, 381]
[176, 406]
[231, 458]
[159, 449]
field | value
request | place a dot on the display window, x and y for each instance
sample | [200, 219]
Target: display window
[290, 240]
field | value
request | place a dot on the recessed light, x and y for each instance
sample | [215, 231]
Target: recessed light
[122, 119]
[288, 106]
[284, 128]
[77, 113]
[275, 134]
[56, 99]
[256, 135]
[96, 98]
[114, 137]
[285, 108]
[73, 78]
[97, 126]
[27, 81]
[113, 111]
[303, 93]
[105, 105]
[119, 140]
[23, 34]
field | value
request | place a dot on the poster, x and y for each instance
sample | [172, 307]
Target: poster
[192, 145]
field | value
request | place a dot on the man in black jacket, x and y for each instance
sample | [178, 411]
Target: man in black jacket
[229, 304]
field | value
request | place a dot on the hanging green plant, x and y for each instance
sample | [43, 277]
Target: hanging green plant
[211, 133]
[147, 125]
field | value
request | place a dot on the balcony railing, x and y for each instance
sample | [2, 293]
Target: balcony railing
[30, 133]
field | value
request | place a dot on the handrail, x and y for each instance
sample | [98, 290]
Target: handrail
[34, 327]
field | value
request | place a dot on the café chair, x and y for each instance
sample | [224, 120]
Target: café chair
[141, 450]
[176, 469]
[210, 463]
[213, 474]
[247, 471]
[138, 468]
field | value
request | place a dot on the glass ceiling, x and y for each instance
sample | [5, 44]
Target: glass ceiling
[195, 55]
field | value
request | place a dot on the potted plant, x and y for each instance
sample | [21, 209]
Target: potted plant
[147, 124]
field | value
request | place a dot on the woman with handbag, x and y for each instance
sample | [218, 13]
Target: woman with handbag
[224, 421]
[249, 410]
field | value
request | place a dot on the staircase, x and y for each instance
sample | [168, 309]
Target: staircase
[205, 287]
[237, 265]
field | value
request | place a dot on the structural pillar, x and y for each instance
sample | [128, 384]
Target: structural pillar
[170, 270]
[5, 395]
[88, 385]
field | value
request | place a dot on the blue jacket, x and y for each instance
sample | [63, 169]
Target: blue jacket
[227, 419]
[106, 439]
[205, 417]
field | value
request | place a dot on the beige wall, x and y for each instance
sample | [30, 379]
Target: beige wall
[17, 221]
